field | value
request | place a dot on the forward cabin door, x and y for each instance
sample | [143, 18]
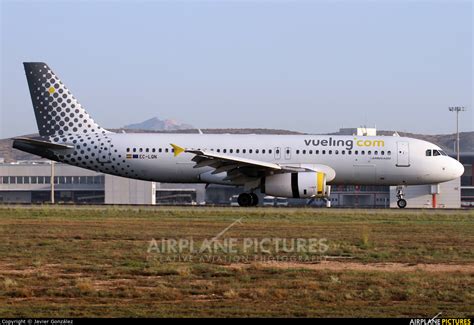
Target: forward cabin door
[403, 154]
[287, 153]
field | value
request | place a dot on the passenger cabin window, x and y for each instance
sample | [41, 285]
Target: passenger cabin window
[428, 152]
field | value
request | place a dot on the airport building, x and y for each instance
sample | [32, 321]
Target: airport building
[30, 182]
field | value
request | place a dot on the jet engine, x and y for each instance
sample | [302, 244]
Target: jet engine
[296, 185]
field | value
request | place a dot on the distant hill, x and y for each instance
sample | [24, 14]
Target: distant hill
[211, 131]
[445, 141]
[155, 124]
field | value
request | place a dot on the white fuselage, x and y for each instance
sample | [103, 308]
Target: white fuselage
[380, 160]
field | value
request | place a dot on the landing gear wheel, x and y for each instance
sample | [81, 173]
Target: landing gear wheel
[402, 203]
[244, 199]
[254, 199]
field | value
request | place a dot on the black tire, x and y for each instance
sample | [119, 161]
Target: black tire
[244, 199]
[254, 199]
[402, 203]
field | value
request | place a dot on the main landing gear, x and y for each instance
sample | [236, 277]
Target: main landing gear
[402, 203]
[247, 199]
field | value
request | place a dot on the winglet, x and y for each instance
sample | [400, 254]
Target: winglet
[177, 149]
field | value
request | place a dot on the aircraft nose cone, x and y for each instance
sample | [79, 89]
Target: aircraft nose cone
[458, 169]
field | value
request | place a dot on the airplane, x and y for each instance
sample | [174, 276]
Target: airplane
[291, 166]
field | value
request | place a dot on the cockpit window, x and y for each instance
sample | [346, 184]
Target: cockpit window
[436, 153]
[443, 153]
[428, 152]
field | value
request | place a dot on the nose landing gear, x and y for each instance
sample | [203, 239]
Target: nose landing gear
[401, 203]
[247, 199]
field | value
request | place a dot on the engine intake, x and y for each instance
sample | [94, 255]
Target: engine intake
[295, 185]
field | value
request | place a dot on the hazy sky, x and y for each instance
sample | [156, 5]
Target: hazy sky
[310, 66]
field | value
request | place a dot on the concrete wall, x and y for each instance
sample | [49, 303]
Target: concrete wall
[120, 190]
[420, 196]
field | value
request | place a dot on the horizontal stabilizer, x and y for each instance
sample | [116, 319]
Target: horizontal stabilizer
[43, 144]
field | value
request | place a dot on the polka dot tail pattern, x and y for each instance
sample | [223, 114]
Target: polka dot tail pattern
[57, 111]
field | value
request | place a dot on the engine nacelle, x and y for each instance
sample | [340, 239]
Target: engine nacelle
[295, 185]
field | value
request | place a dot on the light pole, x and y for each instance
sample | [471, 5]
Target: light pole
[457, 109]
[52, 181]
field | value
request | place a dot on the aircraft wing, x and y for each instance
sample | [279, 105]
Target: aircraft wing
[239, 170]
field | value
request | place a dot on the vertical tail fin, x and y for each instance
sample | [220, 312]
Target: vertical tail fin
[57, 111]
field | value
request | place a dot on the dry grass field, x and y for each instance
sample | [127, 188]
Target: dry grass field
[94, 262]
